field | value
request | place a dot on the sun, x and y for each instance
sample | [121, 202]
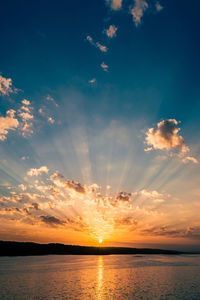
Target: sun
[100, 241]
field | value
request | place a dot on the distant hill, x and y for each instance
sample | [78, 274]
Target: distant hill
[28, 248]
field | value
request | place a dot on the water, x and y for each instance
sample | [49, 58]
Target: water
[100, 277]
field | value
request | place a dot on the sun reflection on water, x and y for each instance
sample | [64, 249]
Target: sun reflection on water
[99, 276]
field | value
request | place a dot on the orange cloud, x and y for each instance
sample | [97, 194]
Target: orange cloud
[111, 31]
[138, 10]
[6, 87]
[97, 44]
[9, 122]
[115, 4]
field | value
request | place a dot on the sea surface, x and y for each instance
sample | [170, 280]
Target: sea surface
[100, 277]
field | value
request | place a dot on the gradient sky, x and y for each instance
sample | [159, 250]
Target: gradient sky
[99, 122]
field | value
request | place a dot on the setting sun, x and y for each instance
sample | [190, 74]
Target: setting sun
[100, 241]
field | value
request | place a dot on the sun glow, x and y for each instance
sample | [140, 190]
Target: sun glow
[100, 241]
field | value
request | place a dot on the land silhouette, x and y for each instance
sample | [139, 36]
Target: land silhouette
[10, 248]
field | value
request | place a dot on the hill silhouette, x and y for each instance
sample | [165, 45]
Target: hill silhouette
[9, 248]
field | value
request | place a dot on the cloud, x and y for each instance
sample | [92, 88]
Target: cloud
[158, 6]
[97, 44]
[26, 115]
[50, 220]
[101, 47]
[26, 102]
[9, 122]
[125, 221]
[56, 201]
[22, 187]
[36, 172]
[6, 87]
[104, 66]
[60, 181]
[76, 186]
[124, 197]
[138, 10]
[51, 99]
[43, 113]
[192, 232]
[114, 4]
[93, 80]
[51, 120]
[190, 159]
[111, 31]
[166, 136]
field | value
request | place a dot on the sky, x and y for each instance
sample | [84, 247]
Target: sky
[99, 122]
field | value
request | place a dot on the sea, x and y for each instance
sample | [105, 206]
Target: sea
[147, 277]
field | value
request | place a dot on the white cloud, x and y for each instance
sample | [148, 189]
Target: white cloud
[36, 172]
[115, 4]
[138, 10]
[111, 31]
[166, 136]
[6, 87]
[9, 122]
[104, 66]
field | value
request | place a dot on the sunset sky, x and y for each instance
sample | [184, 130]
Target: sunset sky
[99, 122]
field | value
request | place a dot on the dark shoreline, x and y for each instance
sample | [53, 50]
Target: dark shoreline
[8, 248]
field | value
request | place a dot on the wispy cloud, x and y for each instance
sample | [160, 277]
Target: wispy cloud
[51, 99]
[114, 4]
[44, 113]
[101, 47]
[9, 122]
[138, 10]
[190, 159]
[6, 86]
[111, 31]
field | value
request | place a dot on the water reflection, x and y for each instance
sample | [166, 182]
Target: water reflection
[99, 277]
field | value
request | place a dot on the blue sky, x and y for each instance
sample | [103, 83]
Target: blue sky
[106, 93]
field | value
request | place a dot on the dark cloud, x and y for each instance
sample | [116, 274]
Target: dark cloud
[190, 232]
[51, 220]
[123, 196]
[125, 221]
[76, 186]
